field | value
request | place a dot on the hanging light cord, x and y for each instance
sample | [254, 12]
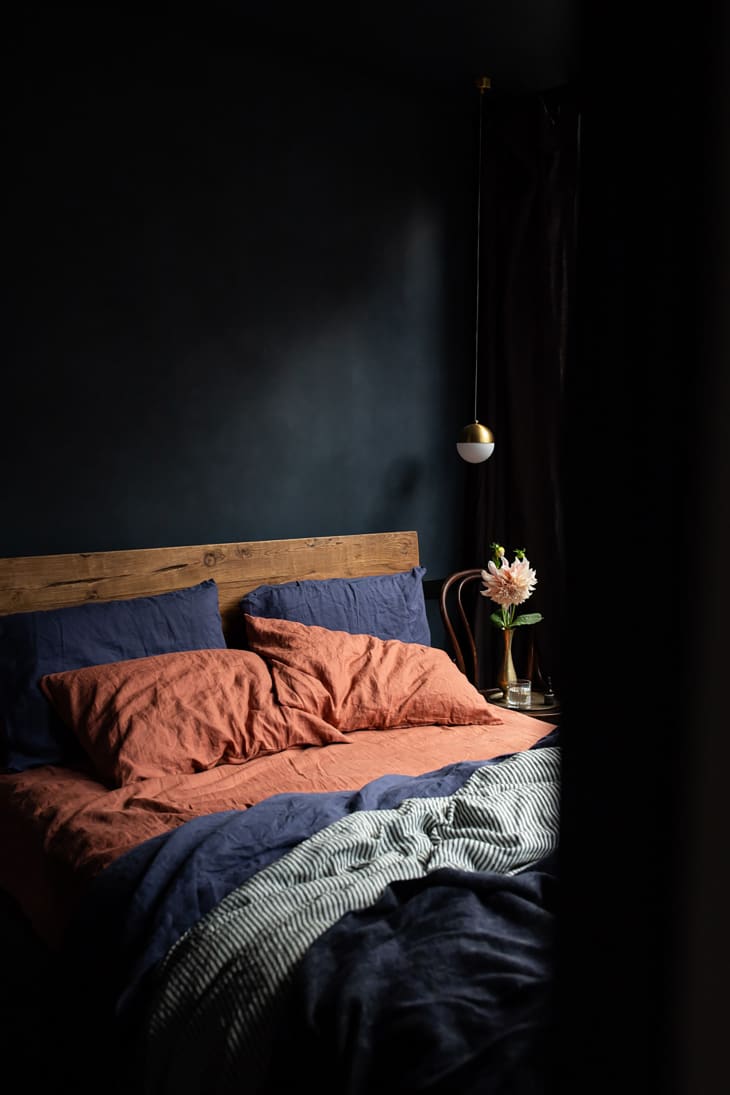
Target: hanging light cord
[482, 84]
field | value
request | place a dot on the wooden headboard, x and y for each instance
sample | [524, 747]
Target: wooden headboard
[32, 582]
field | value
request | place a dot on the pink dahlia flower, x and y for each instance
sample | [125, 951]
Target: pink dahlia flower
[510, 583]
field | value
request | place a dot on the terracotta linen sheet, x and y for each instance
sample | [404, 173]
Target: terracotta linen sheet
[61, 827]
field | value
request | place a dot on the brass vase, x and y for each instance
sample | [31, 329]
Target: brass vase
[507, 666]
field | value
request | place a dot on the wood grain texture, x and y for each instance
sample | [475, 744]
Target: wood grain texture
[29, 583]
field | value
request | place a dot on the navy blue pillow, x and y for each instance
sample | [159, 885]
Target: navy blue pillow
[389, 606]
[53, 640]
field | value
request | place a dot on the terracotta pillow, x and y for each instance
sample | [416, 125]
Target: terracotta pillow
[358, 682]
[178, 713]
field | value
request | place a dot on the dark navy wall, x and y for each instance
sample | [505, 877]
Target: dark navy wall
[241, 298]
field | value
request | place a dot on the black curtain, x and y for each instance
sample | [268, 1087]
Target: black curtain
[530, 172]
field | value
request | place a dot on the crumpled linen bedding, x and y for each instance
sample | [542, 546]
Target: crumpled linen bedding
[62, 827]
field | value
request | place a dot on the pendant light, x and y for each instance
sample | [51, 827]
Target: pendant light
[476, 442]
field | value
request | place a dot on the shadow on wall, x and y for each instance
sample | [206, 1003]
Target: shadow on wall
[402, 482]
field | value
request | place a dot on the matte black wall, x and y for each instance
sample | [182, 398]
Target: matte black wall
[241, 300]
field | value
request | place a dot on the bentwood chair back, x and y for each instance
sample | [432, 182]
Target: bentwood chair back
[457, 604]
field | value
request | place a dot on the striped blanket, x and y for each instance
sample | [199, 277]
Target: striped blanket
[224, 992]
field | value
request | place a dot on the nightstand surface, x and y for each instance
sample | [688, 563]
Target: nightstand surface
[537, 709]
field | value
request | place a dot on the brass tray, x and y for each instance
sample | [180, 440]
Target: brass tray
[537, 704]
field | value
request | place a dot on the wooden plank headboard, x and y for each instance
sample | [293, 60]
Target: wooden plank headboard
[32, 582]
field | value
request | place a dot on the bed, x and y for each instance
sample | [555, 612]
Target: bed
[262, 833]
